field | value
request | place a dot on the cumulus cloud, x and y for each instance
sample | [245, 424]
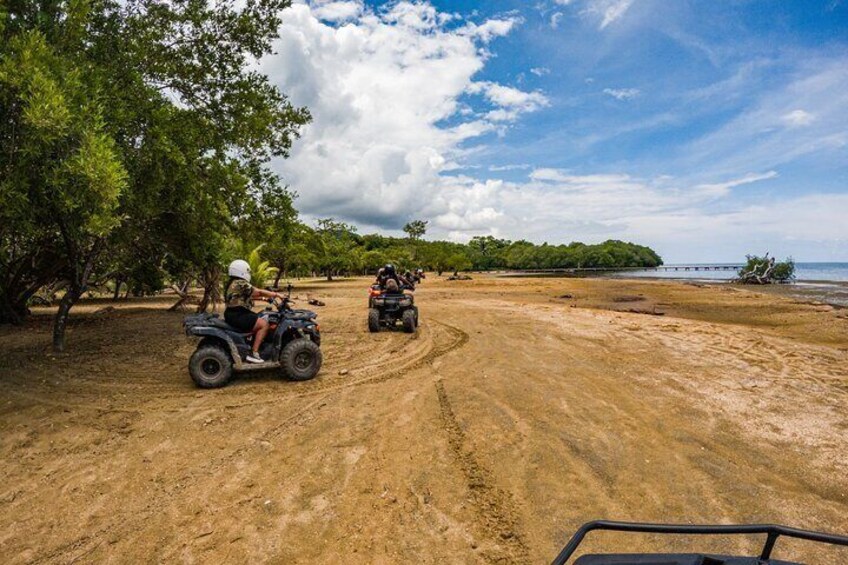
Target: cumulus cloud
[337, 11]
[509, 99]
[489, 29]
[540, 71]
[385, 89]
[622, 93]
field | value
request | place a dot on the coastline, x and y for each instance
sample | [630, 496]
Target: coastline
[812, 291]
[833, 293]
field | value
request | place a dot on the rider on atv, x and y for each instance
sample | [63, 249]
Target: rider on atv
[387, 275]
[238, 296]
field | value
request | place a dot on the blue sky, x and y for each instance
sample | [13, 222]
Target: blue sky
[704, 129]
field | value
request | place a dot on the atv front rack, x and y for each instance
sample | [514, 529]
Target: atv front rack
[771, 531]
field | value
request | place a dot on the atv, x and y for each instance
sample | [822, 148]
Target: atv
[388, 308]
[291, 345]
[772, 532]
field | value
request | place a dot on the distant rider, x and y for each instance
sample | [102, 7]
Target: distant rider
[239, 295]
[388, 273]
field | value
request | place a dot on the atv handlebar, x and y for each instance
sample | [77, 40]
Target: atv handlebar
[281, 303]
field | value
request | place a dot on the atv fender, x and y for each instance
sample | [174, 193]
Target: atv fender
[293, 329]
[222, 337]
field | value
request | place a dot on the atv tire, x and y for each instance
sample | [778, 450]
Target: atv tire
[373, 320]
[409, 321]
[301, 360]
[210, 367]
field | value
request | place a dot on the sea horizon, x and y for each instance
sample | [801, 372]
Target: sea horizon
[805, 271]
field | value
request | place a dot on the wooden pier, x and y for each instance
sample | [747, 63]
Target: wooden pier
[679, 268]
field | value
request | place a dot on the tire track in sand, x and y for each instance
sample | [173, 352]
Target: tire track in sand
[382, 371]
[83, 545]
[497, 516]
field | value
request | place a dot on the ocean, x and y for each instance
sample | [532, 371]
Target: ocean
[820, 282]
[804, 272]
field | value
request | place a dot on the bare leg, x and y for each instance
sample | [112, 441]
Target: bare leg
[259, 332]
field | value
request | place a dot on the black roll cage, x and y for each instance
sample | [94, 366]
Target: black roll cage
[772, 532]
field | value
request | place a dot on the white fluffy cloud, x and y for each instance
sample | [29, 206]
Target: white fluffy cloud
[386, 92]
[337, 11]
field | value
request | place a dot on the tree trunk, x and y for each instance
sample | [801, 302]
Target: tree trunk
[61, 319]
[117, 293]
[204, 301]
[12, 311]
[76, 287]
[211, 293]
[277, 278]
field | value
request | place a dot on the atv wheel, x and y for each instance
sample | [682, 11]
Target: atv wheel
[301, 360]
[373, 320]
[210, 367]
[409, 321]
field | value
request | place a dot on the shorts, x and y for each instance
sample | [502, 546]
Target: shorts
[241, 318]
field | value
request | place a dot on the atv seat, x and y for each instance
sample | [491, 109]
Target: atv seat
[213, 321]
[222, 324]
[300, 314]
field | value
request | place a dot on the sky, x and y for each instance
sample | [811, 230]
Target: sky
[707, 130]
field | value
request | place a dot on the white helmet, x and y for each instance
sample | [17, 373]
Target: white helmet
[239, 268]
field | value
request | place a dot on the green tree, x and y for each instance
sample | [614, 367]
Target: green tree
[766, 270]
[458, 262]
[62, 171]
[134, 125]
[333, 246]
[416, 229]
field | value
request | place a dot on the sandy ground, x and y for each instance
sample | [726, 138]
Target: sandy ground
[522, 408]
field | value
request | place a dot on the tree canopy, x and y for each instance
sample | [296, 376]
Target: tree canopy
[133, 133]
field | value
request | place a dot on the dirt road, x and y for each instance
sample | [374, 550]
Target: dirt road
[522, 408]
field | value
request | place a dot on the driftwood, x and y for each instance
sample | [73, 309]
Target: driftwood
[761, 273]
[182, 292]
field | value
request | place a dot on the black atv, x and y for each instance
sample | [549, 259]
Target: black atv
[389, 308]
[292, 345]
[772, 532]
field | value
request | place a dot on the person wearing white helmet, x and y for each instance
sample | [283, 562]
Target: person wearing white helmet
[239, 295]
